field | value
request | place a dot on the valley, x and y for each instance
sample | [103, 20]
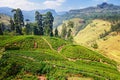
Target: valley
[79, 44]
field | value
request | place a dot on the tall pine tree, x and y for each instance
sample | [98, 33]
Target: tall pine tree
[12, 26]
[56, 32]
[18, 20]
[48, 23]
[64, 31]
[38, 19]
[1, 31]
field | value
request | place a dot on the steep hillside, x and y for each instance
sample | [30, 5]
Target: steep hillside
[78, 25]
[92, 32]
[41, 57]
[4, 19]
[98, 32]
[111, 47]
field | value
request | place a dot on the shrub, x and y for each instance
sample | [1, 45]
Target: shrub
[94, 45]
[12, 47]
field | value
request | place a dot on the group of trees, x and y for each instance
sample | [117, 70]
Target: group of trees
[18, 21]
[43, 24]
[66, 32]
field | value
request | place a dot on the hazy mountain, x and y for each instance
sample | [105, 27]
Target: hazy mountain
[27, 14]
[62, 12]
[6, 11]
[103, 9]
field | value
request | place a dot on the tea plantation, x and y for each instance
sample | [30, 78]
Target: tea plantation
[29, 57]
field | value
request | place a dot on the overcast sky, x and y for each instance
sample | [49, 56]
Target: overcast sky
[58, 5]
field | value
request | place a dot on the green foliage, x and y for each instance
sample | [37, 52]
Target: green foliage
[104, 34]
[94, 45]
[56, 42]
[29, 62]
[70, 24]
[35, 31]
[116, 27]
[18, 20]
[1, 31]
[79, 52]
[56, 32]
[64, 31]
[48, 23]
[38, 18]
[28, 29]
[12, 25]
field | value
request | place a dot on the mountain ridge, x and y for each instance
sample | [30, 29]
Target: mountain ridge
[27, 14]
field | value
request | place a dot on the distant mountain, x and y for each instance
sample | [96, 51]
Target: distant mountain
[27, 14]
[103, 9]
[62, 13]
[6, 11]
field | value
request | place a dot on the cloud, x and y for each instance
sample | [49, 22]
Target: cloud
[53, 3]
[28, 5]
[23, 4]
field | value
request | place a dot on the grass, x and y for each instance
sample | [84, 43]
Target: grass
[27, 63]
[110, 47]
[77, 25]
[107, 45]
[79, 52]
[92, 32]
[56, 42]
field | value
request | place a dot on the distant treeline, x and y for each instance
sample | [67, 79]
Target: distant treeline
[43, 24]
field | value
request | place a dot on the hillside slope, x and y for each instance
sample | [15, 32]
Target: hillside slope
[98, 11]
[4, 19]
[111, 47]
[77, 25]
[92, 32]
[108, 44]
[36, 57]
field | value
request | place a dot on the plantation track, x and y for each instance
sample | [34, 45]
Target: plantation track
[48, 44]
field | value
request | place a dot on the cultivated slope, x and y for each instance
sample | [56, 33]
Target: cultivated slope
[108, 44]
[35, 57]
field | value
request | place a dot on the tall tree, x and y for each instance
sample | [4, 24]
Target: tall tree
[56, 32]
[35, 30]
[18, 20]
[64, 31]
[38, 19]
[69, 33]
[70, 24]
[12, 26]
[28, 29]
[48, 23]
[1, 31]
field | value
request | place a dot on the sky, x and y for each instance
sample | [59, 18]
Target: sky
[58, 5]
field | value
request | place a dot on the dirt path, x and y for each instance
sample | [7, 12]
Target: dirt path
[48, 44]
[42, 77]
[60, 48]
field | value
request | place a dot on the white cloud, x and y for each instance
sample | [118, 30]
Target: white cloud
[23, 4]
[53, 3]
[27, 5]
